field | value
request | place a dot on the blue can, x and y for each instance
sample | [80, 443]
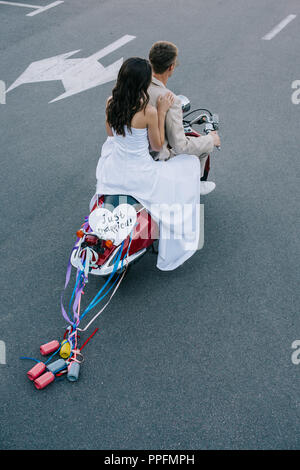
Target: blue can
[73, 371]
[56, 366]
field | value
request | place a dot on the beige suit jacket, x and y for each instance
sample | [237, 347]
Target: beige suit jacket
[176, 142]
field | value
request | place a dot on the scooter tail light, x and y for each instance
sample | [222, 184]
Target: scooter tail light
[108, 243]
[79, 233]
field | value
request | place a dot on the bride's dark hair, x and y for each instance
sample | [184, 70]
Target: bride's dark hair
[130, 93]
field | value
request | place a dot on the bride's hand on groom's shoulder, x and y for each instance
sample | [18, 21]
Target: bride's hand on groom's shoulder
[164, 102]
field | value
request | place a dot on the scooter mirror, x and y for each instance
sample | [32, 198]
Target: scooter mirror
[185, 103]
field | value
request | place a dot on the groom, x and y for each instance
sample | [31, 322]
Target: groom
[163, 59]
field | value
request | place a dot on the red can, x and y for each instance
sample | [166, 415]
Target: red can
[49, 348]
[36, 371]
[44, 380]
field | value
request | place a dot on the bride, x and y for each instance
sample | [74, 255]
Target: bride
[170, 190]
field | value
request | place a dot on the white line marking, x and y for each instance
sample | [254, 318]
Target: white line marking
[25, 5]
[2, 353]
[279, 27]
[47, 7]
[38, 9]
[2, 92]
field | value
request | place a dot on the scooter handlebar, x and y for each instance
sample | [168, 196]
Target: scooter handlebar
[210, 120]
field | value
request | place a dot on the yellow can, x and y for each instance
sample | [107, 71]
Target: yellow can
[65, 349]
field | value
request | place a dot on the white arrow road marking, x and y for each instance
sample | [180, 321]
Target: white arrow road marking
[38, 9]
[279, 27]
[77, 75]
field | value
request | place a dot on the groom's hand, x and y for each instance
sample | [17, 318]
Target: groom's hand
[216, 138]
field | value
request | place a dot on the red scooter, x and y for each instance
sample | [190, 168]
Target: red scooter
[102, 248]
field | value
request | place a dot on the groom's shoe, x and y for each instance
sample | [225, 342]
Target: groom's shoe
[206, 187]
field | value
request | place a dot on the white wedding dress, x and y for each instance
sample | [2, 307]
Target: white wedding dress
[170, 190]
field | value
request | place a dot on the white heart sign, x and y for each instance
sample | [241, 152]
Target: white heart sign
[116, 225]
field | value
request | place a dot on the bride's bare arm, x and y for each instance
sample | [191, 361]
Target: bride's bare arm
[154, 129]
[108, 128]
[156, 121]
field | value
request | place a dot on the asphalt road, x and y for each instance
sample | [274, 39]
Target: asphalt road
[197, 358]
